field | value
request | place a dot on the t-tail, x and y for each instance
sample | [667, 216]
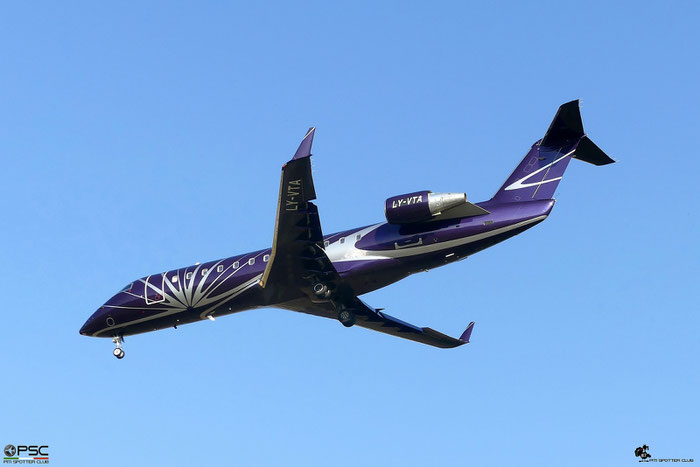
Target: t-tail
[543, 167]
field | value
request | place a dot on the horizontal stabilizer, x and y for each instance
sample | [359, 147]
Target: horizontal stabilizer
[587, 151]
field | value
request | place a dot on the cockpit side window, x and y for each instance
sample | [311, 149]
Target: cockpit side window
[127, 287]
[154, 289]
[136, 289]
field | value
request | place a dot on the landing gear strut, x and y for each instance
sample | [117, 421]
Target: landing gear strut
[118, 351]
[346, 317]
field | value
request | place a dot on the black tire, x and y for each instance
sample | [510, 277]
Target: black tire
[346, 318]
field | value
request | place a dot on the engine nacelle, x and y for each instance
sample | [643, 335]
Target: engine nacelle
[420, 206]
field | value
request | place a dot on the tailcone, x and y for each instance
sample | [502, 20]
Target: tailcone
[550, 205]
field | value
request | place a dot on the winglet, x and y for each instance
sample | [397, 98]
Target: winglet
[467, 333]
[305, 146]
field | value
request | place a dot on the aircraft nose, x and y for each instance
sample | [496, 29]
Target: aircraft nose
[85, 329]
[91, 325]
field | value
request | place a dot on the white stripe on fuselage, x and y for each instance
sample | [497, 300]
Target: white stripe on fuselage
[516, 185]
[349, 252]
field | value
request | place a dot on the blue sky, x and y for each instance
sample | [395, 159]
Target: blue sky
[140, 138]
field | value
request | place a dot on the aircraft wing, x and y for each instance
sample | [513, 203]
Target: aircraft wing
[297, 259]
[376, 320]
[298, 262]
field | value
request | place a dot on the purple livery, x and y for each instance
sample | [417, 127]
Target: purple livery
[321, 275]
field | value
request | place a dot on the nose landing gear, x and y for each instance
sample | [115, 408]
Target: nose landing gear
[118, 351]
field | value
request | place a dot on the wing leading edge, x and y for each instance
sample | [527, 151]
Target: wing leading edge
[298, 262]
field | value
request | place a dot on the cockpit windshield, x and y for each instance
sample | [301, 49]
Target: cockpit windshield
[127, 287]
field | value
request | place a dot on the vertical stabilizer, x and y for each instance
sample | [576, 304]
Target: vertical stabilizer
[539, 173]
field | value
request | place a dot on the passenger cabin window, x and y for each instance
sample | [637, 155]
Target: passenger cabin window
[326, 243]
[220, 268]
[358, 237]
[204, 271]
[266, 258]
[188, 276]
[251, 261]
[342, 240]
[173, 279]
[236, 265]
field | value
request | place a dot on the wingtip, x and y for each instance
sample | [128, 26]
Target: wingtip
[467, 333]
[304, 149]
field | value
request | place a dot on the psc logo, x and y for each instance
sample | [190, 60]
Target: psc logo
[32, 453]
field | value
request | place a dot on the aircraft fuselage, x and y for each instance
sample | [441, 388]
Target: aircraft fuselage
[307, 272]
[368, 258]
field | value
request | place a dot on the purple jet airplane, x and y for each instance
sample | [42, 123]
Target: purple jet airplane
[308, 272]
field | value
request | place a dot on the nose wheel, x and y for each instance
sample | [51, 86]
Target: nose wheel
[118, 351]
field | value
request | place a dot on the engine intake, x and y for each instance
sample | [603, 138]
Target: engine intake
[420, 206]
